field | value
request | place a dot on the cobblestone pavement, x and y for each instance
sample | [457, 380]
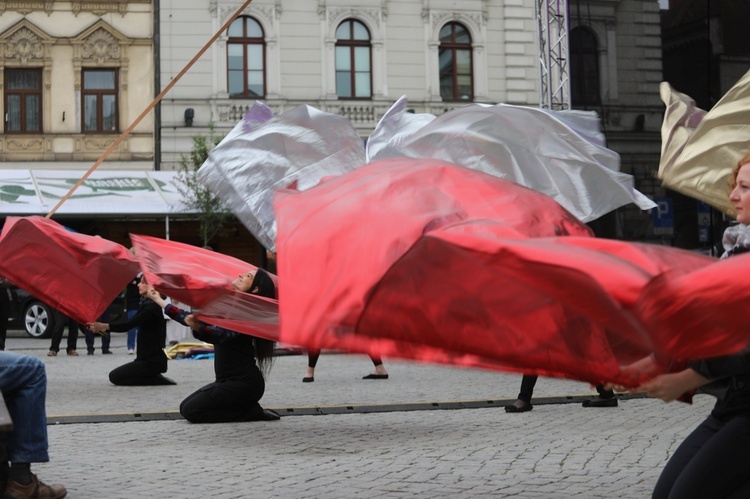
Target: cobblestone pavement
[558, 450]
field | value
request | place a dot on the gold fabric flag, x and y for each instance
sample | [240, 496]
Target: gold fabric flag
[700, 148]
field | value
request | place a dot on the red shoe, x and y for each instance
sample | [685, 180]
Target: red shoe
[35, 489]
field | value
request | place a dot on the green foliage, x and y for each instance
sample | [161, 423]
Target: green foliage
[212, 215]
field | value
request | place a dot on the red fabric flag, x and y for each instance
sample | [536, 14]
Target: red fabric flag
[202, 279]
[429, 261]
[706, 307]
[78, 275]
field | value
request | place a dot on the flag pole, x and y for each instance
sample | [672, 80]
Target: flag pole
[148, 109]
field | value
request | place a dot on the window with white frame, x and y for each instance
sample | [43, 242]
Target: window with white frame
[455, 63]
[246, 59]
[353, 60]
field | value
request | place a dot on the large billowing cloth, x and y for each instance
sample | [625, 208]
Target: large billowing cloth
[560, 154]
[263, 154]
[433, 262]
[203, 279]
[76, 274]
[700, 149]
[707, 307]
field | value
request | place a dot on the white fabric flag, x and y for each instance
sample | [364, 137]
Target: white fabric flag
[560, 154]
[258, 157]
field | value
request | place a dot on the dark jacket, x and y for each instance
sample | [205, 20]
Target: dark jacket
[152, 335]
[730, 383]
[234, 353]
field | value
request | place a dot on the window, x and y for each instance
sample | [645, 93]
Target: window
[23, 100]
[246, 59]
[584, 69]
[353, 61]
[99, 96]
[455, 60]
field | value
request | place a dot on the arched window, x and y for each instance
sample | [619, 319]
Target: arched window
[584, 69]
[353, 61]
[246, 59]
[455, 59]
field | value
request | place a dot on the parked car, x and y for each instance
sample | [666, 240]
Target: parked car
[37, 318]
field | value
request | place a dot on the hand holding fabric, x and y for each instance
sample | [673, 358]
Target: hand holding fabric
[99, 328]
[669, 387]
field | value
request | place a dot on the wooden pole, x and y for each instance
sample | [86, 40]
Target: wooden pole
[148, 109]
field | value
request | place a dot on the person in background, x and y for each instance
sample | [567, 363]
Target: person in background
[90, 337]
[61, 320]
[6, 303]
[606, 398]
[312, 361]
[176, 331]
[150, 360]
[23, 383]
[132, 299]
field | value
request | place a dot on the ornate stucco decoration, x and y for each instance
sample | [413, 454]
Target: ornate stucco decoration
[27, 7]
[100, 7]
[24, 46]
[268, 15]
[100, 46]
[476, 19]
[336, 15]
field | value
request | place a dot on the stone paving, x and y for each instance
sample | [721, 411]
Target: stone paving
[558, 450]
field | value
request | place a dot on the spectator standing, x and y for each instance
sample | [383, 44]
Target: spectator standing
[6, 302]
[90, 337]
[132, 298]
[59, 321]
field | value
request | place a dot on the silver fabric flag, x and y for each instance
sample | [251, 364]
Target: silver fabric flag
[259, 156]
[560, 154]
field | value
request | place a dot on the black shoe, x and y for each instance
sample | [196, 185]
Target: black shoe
[269, 415]
[308, 379]
[600, 402]
[90, 352]
[106, 352]
[526, 407]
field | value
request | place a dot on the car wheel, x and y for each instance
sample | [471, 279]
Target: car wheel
[38, 320]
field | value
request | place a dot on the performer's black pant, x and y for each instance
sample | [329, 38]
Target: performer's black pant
[226, 401]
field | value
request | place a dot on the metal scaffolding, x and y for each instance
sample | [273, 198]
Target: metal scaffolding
[554, 85]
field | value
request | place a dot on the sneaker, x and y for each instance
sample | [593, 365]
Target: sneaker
[51, 353]
[35, 488]
[131, 351]
[72, 353]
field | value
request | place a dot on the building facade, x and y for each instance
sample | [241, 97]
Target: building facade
[74, 75]
[356, 57]
[78, 73]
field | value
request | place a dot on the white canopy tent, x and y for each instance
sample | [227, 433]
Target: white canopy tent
[106, 193]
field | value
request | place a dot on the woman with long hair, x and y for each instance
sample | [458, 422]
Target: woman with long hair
[240, 382]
